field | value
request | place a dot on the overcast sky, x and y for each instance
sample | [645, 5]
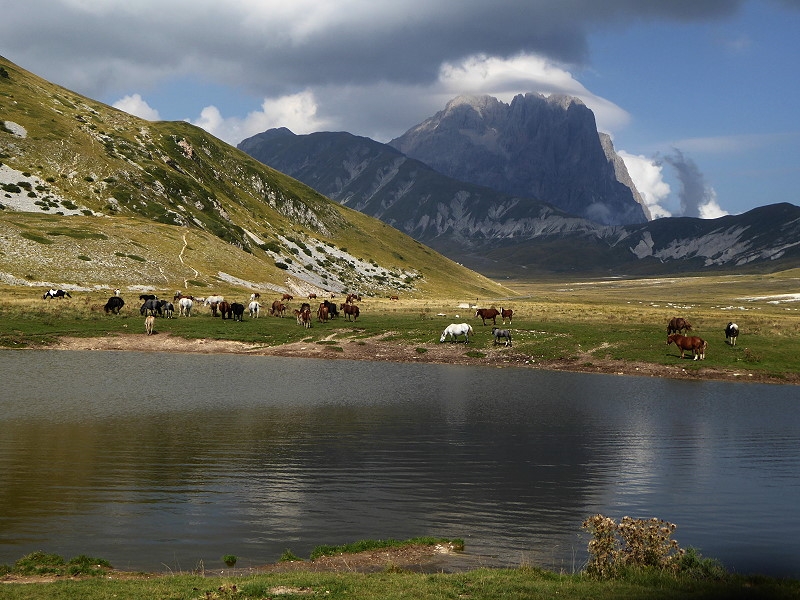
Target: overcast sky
[700, 96]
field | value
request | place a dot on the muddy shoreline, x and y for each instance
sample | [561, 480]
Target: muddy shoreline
[375, 349]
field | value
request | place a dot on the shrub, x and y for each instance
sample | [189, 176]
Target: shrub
[639, 543]
[230, 559]
[289, 556]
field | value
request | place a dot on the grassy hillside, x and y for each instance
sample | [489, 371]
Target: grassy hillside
[92, 196]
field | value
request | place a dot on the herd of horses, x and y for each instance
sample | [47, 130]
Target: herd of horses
[677, 328]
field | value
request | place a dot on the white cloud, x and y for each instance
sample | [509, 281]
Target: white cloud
[297, 112]
[504, 78]
[135, 105]
[711, 209]
[648, 177]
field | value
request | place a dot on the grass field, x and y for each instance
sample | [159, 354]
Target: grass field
[581, 322]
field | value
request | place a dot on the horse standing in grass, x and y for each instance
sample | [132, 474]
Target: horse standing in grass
[506, 313]
[695, 344]
[185, 307]
[501, 334]
[678, 325]
[456, 329]
[488, 313]
[731, 333]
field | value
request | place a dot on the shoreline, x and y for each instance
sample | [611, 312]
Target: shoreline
[375, 349]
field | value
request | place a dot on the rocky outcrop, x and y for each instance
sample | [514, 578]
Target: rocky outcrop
[536, 147]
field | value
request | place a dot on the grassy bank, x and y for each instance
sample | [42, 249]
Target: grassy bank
[578, 324]
[509, 584]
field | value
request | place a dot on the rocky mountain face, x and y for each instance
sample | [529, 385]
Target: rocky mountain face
[507, 235]
[536, 147]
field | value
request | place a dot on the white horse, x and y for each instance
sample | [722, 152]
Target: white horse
[253, 307]
[456, 329]
[185, 306]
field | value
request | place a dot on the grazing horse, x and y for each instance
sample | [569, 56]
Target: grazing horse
[167, 308]
[333, 311]
[146, 297]
[350, 310]
[114, 304]
[238, 311]
[151, 306]
[213, 302]
[488, 313]
[506, 313]
[255, 296]
[695, 344]
[277, 309]
[253, 309]
[148, 324]
[678, 325]
[55, 294]
[312, 296]
[394, 297]
[456, 329]
[499, 334]
[287, 297]
[731, 333]
[225, 310]
[185, 307]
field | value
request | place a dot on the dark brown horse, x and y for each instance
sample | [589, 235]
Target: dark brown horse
[350, 310]
[506, 313]
[695, 344]
[678, 325]
[488, 313]
[225, 309]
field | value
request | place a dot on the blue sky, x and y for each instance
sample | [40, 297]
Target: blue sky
[699, 95]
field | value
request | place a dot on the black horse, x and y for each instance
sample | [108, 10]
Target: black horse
[114, 304]
[238, 311]
[152, 307]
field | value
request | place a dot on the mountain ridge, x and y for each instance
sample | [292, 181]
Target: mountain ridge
[81, 181]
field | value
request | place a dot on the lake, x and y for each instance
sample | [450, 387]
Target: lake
[162, 462]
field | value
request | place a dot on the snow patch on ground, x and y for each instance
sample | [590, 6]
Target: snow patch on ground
[775, 299]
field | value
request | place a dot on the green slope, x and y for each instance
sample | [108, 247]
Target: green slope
[92, 196]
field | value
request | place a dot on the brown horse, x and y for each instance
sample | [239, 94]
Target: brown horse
[488, 313]
[695, 344]
[322, 313]
[678, 325]
[350, 310]
[225, 310]
[506, 313]
[277, 309]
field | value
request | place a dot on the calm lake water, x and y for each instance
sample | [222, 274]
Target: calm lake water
[169, 461]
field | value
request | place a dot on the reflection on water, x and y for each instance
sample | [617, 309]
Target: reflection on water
[172, 460]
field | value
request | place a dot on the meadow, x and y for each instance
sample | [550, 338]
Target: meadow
[580, 325]
[613, 325]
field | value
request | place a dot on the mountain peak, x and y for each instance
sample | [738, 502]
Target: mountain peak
[540, 147]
